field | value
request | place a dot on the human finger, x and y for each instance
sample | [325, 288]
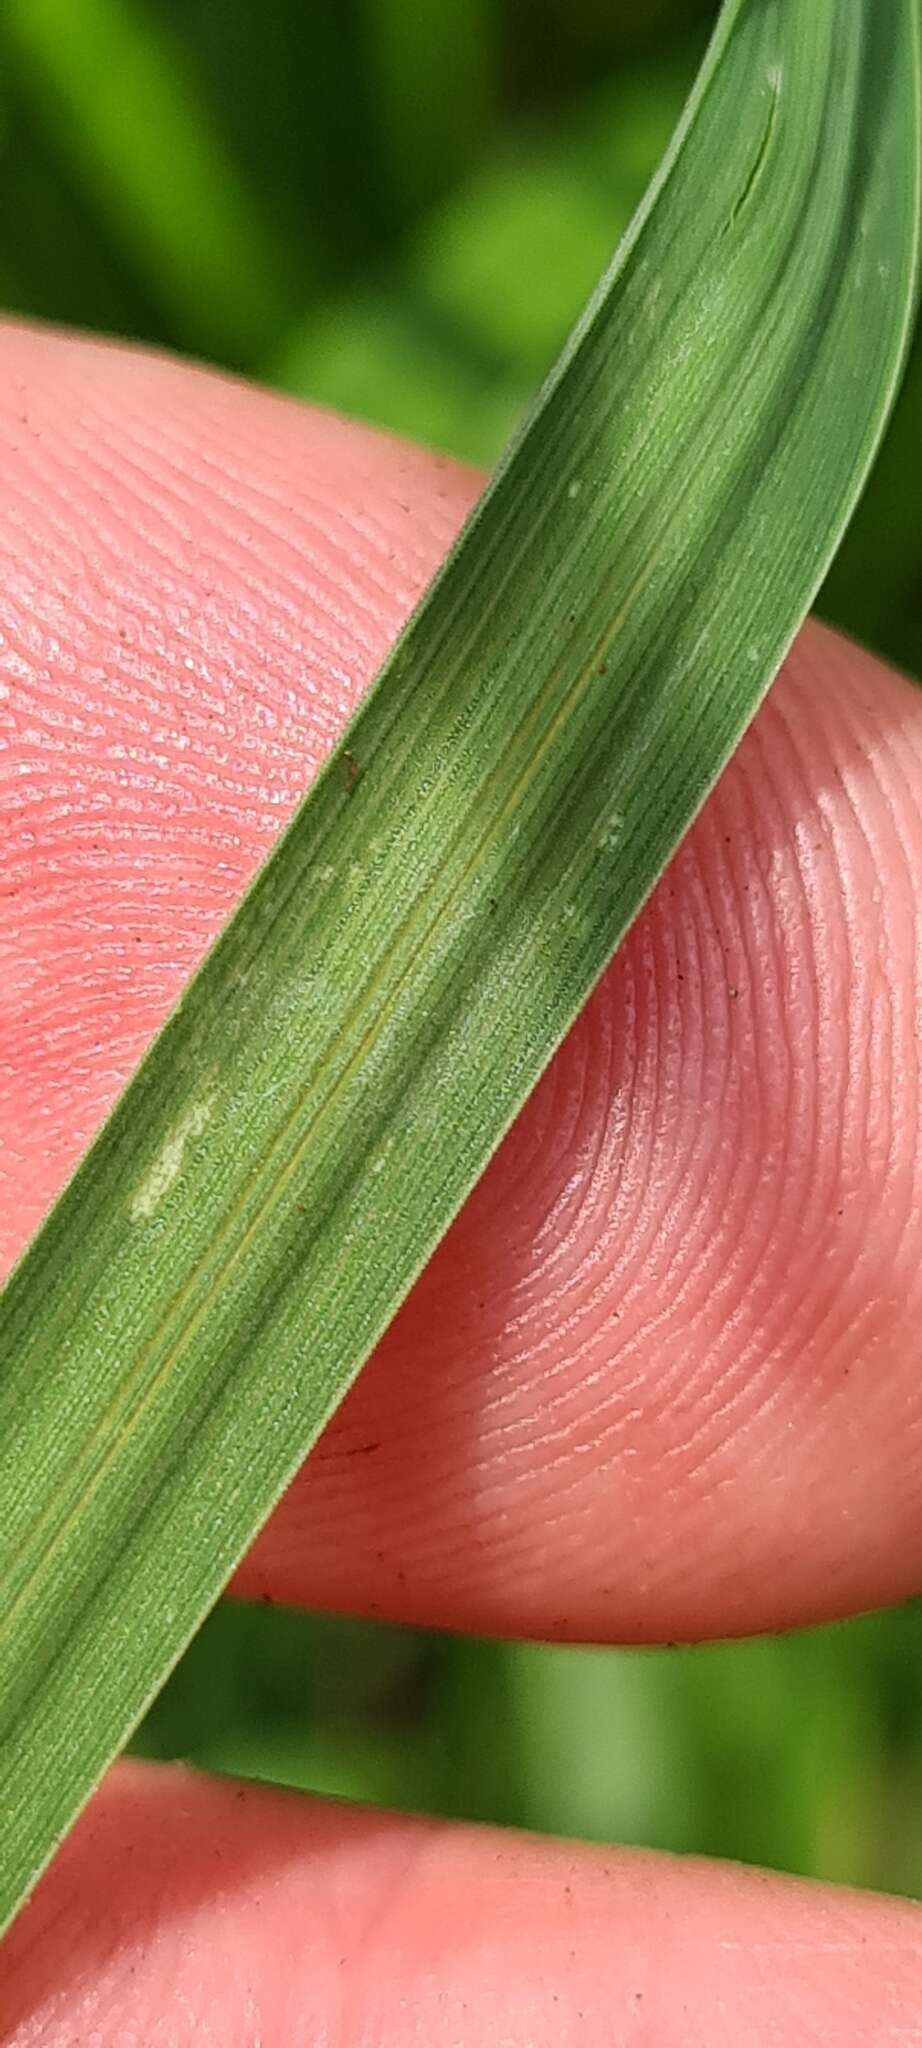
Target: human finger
[185, 1909]
[661, 1379]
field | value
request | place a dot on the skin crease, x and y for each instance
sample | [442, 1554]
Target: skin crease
[662, 1378]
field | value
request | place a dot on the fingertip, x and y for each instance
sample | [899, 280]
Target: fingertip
[182, 1906]
[198, 581]
[661, 1378]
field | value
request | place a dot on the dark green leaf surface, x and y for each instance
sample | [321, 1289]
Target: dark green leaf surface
[397, 978]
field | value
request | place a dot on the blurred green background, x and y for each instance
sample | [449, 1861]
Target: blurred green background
[396, 207]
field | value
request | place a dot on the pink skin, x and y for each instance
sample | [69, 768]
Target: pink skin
[662, 1379]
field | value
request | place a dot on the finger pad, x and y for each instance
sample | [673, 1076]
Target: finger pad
[662, 1376]
[197, 582]
[184, 1910]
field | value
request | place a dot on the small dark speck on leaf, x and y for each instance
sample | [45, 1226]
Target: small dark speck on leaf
[351, 771]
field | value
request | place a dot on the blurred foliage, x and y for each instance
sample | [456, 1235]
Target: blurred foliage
[396, 207]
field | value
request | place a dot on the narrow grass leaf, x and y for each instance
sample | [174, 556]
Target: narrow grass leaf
[346, 1061]
[108, 83]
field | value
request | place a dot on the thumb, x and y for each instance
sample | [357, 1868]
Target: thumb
[663, 1376]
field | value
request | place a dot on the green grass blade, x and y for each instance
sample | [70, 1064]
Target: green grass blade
[347, 1059]
[114, 95]
[428, 133]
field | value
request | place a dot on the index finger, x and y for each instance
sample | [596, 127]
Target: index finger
[661, 1379]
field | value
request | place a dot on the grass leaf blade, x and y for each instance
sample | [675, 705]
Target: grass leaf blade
[352, 1051]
